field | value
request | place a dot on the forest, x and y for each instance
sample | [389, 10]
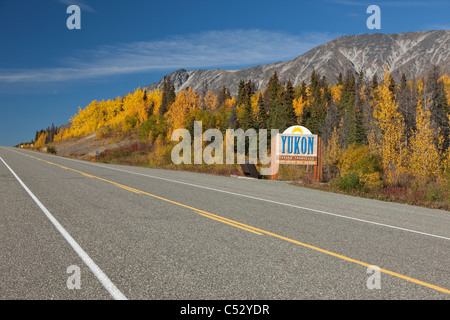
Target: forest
[381, 135]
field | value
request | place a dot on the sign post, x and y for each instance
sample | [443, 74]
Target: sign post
[273, 158]
[318, 174]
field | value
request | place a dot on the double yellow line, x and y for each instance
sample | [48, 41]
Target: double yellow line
[245, 227]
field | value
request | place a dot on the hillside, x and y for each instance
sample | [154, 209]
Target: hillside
[387, 139]
[410, 53]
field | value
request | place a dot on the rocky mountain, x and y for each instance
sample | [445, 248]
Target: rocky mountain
[411, 53]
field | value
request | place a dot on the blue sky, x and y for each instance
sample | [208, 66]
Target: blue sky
[47, 71]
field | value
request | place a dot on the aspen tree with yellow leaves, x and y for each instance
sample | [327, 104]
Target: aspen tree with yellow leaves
[333, 153]
[299, 104]
[445, 79]
[186, 102]
[40, 142]
[391, 135]
[154, 99]
[135, 110]
[336, 92]
[209, 101]
[424, 160]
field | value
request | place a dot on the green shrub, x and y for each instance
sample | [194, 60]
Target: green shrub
[51, 149]
[435, 193]
[369, 163]
[350, 181]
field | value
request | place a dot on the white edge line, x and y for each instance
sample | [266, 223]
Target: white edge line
[101, 276]
[261, 199]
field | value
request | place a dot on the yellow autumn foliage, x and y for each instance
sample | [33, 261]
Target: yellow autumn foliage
[299, 105]
[209, 101]
[424, 159]
[333, 149]
[391, 125]
[446, 80]
[186, 101]
[120, 114]
[254, 103]
[40, 142]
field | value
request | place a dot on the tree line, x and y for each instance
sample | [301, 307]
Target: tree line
[402, 124]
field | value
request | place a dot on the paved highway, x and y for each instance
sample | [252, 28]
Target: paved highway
[141, 233]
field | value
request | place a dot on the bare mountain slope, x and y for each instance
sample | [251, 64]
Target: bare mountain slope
[411, 53]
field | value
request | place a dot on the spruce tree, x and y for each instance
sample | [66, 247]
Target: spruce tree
[314, 115]
[232, 120]
[287, 115]
[240, 99]
[168, 96]
[262, 117]
[222, 96]
[374, 83]
[436, 102]
[357, 132]
[406, 106]
[274, 87]
[274, 93]
[246, 117]
[339, 80]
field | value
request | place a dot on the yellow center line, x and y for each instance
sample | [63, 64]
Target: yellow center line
[247, 227]
[237, 225]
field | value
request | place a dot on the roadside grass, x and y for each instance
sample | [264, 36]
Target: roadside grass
[134, 155]
[367, 184]
[142, 154]
[434, 195]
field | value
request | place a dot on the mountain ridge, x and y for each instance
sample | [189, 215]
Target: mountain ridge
[411, 53]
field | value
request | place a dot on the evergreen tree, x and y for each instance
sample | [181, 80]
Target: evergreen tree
[245, 113]
[168, 96]
[314, 83]
[357, 132]
[232, 120]
[339, 80]
[262, 117]
[350, 110]
[274, 92]
[406, 106]
[436, 102]
[247, 119]
[374, 84]
[273, 88]
[287, 115]
[302, 90]
[392, 85]
[245, 92]
[222, 96]
[319, 97]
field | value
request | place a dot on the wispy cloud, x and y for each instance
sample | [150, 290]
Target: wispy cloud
[229, 48]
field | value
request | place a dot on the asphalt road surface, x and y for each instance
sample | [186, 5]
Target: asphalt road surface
[71, 229]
